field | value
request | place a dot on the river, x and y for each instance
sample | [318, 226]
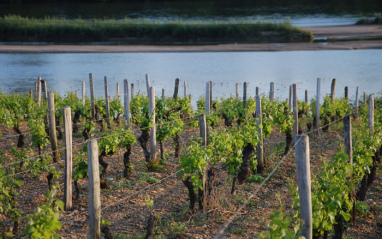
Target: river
[64, 72]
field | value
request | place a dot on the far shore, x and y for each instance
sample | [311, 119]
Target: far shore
[350, 37]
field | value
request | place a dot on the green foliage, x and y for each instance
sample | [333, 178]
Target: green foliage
[109, 141]
[80, 166]
[60, 29]
[37, 129]
[278, 226]
[126, 137]
[116, 108]
[44, 222]
[361, 208]
[330, 193]
[193, 161]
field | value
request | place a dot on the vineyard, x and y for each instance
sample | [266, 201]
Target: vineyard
[146, 166]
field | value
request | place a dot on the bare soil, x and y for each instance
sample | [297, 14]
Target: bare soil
[124, 204]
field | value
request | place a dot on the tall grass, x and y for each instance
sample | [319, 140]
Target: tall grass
[16, 28]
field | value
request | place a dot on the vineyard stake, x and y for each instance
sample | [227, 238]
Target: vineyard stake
[67, 113]
[207, 99]
[107, 103]
[346, 92]
[349, 152]
[272, 92]
[31, 94]
[36, 90]
[290, 97]
[92, 94]
[210, 82]
[163, 94]
[260, 155]
[76, 93]
[257, 91]
[237, 90]
[295, 111]
[148, 84]
[333, 90]
[356, 103]
[185, 89]
[203, 129]
[83, 94]
[304, 185]
[203, 135]
[371, 113]
[306, 101]
[39, 92]
[94, 191]
[176, 89]
[52, 127]
[244, 94]
[317, 119]
[118, 95]
[132, 91]
[126, 101]
[153, 139]
[44, 90]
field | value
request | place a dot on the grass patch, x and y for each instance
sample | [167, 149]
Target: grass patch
[376, 20]
[49, 29]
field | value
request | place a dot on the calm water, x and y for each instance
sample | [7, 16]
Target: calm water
[300, 13]
[64, 72]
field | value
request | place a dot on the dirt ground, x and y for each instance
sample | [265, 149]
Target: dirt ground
[350, 37]
[126, 203]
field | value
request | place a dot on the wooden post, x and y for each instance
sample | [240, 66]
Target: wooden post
[118, 94]
[295, 111]
[333, 90]
[210, 82]
[107, 104]
[207, 99]
[94, 191]
[126, 101]
[317, 120]
[203, 135]
[304, 185]
[92, 94]
[307, 102]
[272, 92]
[67, 113]
[153, 139]
[148, 84]
[163, 94]
[132, 91]
[76, 93]
[290, 97]
[31, 94]
[257, 91]
[36, 90]
[52, 128]
[83, 94]
[244, 94]
[185, 89]
[203, 129]
[176, 89]
[39, 92]
[349, 152]
[346, 92]
[260, 156]
[237, 91]
[356, 103]
[371, 113]
[44, 90]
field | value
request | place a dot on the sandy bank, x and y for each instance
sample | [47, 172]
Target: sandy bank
[338, 32]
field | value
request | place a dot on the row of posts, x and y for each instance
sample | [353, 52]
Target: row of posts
[301, 141]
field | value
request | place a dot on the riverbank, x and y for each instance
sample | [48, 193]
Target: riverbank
[337, 38]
